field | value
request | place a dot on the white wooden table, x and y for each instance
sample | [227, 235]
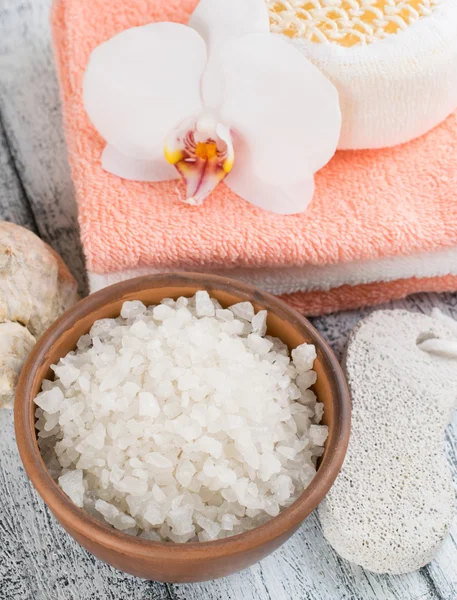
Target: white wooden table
[38, 560]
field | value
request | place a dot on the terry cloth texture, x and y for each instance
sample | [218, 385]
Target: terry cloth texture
[382, 224]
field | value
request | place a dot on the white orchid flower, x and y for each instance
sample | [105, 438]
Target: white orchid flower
[219, 99]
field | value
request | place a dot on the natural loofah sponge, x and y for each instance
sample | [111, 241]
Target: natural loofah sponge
[398, 79]
[393, 501]
[346, 22]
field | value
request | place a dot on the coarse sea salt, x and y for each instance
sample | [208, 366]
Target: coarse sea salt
[183, 421]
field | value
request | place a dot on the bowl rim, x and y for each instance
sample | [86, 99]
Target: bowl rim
[134, 546]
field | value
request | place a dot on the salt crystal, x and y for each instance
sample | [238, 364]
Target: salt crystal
[162, 312]
[210, 445]
[182, 421]
[114, 516]
[228, 521]
[184, 472]
[303, 423]
[180, 520]
[258, 344]
[164, 390]
[243, 310]
[187, 381]
[226, 476]
[286, 452]
[224, 314]
[158, 494]
[132, 309]
[131, 389]
[176, 502]
[51, 422]
[187, 428]
[172, 410]
[272, 507]
[308, 398]
[141, 474]
[158, 460]
[148, 405]
[318, 434]
[210, 527]
[132, 485]
[84, 342]
[259, 323]
[182, 302]
[303, 357]
[141, 330]
[204, 306]
[306, 380]
[233, 328]
[293, 391]
[154, 515]
[104, 478]
[150, 535]
[283, 488]
[67, 374]
[72, 484]
[318, 412]
[269, 465]
[50, 401]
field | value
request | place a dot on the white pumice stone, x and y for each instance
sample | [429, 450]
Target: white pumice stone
[393, 502]
[183, 421]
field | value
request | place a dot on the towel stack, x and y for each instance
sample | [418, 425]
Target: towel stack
[382, 225]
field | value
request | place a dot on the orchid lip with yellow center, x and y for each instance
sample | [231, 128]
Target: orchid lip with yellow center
[203, 155]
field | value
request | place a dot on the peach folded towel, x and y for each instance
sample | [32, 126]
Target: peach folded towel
[382, 224]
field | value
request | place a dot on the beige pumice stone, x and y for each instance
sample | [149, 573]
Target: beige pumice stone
[16, 343]
[393, 501]
[35, 288]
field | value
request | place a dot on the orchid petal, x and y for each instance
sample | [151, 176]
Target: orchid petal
[283, 107]
[201, 177]
[224, 134]
[201, 150]
[141, 83]
[136, 169]
[219, 22]
[287, 199]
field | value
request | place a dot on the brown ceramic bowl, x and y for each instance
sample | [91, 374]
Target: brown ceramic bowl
[167, 561]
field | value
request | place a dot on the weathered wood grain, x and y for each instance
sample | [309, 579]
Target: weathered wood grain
[32, 129]
[13, 204]
[38, 560]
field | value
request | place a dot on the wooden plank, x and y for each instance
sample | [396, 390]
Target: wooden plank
[443, 570]
[38, 559]
[306, 568]
[14, 206]
[29, 105]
